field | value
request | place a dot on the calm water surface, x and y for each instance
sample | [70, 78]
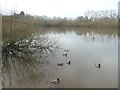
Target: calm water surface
[87, 48]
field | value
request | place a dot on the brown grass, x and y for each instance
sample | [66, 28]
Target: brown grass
[17, 27]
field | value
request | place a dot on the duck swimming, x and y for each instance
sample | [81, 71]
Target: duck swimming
[98, 66]
[66, 50]
[65, 54]
[55, 81]
[60, 64]
[69, 62]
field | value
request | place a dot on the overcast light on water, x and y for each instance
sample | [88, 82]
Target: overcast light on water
[86, 49]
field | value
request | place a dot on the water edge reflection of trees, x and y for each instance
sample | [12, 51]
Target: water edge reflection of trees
[90, 34]
[103, 35]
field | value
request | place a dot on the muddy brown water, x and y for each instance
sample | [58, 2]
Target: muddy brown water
[87, 48]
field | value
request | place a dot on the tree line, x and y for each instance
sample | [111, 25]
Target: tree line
[22, 21]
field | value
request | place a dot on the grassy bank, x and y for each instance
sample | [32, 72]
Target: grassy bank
[15, 28]
[18, 26]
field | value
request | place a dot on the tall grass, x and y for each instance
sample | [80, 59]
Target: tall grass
[15, 28]
[22, 26]
[76, 22]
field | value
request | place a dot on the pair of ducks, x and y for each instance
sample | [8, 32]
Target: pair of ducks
[58, 80]
[61, 64]
[65, 54]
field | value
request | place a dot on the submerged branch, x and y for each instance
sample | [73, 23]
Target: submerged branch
[19, 58]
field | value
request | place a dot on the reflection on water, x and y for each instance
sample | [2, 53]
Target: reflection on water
[22, 60]
[86, 49]
[85, 53]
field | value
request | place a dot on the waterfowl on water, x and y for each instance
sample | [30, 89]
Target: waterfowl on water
[98, 66]
[65, 54]
[55, 81]
[69, 62]
[60, 64]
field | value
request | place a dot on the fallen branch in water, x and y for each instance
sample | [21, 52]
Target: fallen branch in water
[19, 57]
